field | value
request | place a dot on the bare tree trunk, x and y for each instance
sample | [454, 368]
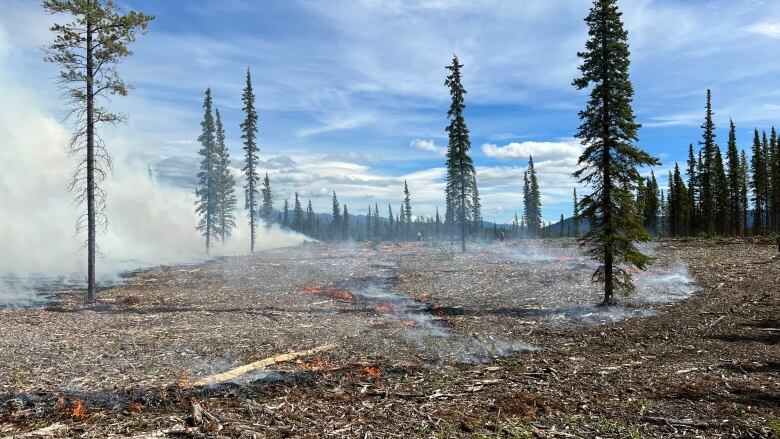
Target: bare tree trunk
[91, 214]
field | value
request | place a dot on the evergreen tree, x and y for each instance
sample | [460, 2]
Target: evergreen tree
[774, 178]
[369, 220]
[722, 200]
[249, 136]
[207, 205]
[575, 215]
[438, 224]
[535, 195]
[758, 168]
[708, 171]
[345, 223]
[561, 232]
[734, 178]
[336, 224]
[226, 195]
[693, 192]
[610, 160]
[268, 202]
[390, 223]
[651, 204]
[376, 222]
[286, 214]
[476, 205]
[743, 192]
[297, 215]
[88, 50]
[311, 222]
[461, 179]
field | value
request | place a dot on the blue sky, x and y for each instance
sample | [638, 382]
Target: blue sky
[351, 95]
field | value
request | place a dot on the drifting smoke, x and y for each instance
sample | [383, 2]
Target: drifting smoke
[149, 223]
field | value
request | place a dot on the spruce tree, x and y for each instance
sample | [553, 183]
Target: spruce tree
[369, 220]
[406, 211]
[268, 202]
[743, 192]
[207, 205]
[390, 223]
[708, 171]
[722, 200]
[461, 179]
[345, 223]
[298, 215]
[758, 171]
[535, 195]
[476, 205]
[249, 136]
[286, 214]
[88, 50]
[774, 179]
[734, 181]
[311, 223]
[693, 192]
[562, 231]
[226, 194]
[610, 160]
[575, 215]
[376, 222]
[336, 213]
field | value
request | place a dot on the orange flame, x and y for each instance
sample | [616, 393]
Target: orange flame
[407, 323]
[312, 289]
[332, 292]
[372, 371]
[79, 412]
[136, 407]
[383, 308]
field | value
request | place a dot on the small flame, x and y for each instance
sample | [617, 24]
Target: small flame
[372, 371]
[332, 292]
[184, 380]
[135, 407]
[79, 412]
[383, 308]
[407, 323]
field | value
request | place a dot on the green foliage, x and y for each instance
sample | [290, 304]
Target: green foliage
[249, 136]
[207, 204]
[610, 161]
[225, 184]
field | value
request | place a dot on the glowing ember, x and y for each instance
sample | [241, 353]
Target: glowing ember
[314, 365]
[312, 289]
[407, 323]
[79, 412]
[372, 371]
[135, 407]
[332, 292]
[184, 380]
[383, 308]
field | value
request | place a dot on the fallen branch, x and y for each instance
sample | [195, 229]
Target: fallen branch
[50, 431]
[677, 422]
[234, 373]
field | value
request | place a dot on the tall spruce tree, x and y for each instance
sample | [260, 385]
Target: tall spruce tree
[743, 192]
[286, 214]
[226, 193]
[298, 218]
[336, 224]
[610, 160]
[774, 178]
[722, 200]
[461, 179]
[535, 197]
[267, 209]
[406, 211]
[693, 192]
[249, 136]
[708, 171]
[734, 178]
[207, 204]
[758, 171]
[88, 49]
[575, 215]
[310, 223]
[345, 223]
[476, 205]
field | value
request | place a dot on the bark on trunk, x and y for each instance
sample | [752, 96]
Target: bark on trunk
[91, 214]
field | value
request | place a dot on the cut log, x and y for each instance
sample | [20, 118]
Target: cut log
[237, 372]
[50, 431]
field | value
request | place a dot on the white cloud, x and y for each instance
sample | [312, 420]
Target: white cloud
[539, 150]
[771, 30]
[427, 146]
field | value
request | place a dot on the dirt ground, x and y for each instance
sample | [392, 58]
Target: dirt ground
[428, 343]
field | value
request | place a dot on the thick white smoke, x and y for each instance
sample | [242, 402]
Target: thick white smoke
[149, 223]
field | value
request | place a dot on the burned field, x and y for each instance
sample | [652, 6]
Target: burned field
[500, 342]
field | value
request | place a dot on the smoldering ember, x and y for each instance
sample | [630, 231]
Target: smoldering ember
[282, 229]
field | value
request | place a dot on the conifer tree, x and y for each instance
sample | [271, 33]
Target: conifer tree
[226, 195]
[268, 202]
[758, 168]
[207, 204]
[438, 224]
[88, 50]
[561, 232]
[336, 212]
[406, 211]
[743, 192]
[535, 196]
[249, 136]
[476, 205]
[708, 171]
[734, 181]
[722, 200]
[610, 160]
[390, 223]
[297, 215]
[774, 178]
[369, 220]
[376, 222]
[311, 226]
[345, 223]
[461, 179]
[693, 192]
[286, 214]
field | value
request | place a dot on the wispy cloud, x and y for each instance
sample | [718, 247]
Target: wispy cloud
[427, 146]
[767, 29]
[539, 150]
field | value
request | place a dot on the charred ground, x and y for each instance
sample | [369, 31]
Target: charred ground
[708, 366]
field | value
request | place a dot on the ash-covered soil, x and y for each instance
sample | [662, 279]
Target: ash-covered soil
[500, 342]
